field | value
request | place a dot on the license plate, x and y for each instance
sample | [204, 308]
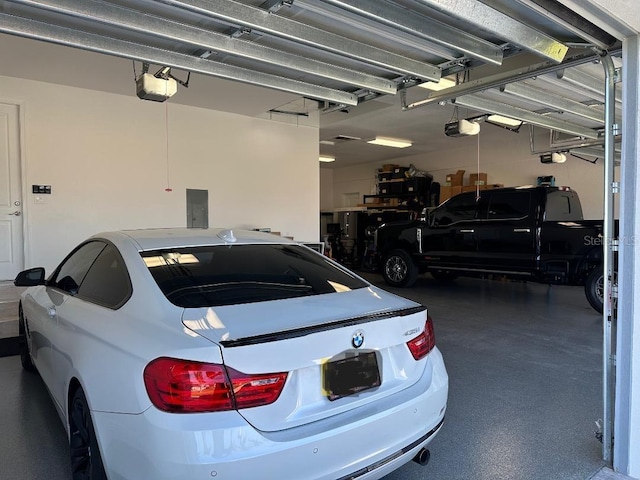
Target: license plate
[350, 373]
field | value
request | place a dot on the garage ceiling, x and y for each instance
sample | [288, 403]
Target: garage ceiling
[358, 62]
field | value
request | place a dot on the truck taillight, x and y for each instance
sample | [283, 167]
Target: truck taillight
[421, 345]
[183, 386]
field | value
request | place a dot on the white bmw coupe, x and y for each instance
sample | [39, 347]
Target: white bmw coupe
[199, 354]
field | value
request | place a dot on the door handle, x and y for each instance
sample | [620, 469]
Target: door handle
[17, 213]
[521, 230]
[470, 230]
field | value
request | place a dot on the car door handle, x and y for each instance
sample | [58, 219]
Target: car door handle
[521, 230]
[470, 230]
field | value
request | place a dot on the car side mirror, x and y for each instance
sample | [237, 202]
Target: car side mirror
[30, 278]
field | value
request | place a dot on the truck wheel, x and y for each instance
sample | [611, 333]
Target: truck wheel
[398, 269]
[594, 288]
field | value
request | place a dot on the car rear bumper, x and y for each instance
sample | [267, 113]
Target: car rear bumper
[223, 445]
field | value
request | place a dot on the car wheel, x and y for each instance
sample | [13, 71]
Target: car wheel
[594, 288]
[443, 275]
[23, 344]
[86, 461]
[398, 269]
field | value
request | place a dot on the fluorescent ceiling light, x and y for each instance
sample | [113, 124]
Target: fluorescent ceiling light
[327, 159]
[437, 86]
[327, 142]
[390, 142]
[511, 122]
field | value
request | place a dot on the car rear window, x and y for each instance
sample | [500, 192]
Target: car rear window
[231, 274]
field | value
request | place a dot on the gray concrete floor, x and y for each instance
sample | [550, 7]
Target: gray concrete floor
[524, 363]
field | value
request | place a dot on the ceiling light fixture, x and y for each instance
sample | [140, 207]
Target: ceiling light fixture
[326, 158]
[390, 142]
[443, 84]
[511, 122]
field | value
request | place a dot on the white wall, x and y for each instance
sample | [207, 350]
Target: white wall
[326, 189]
[505, 156]
[105, 157]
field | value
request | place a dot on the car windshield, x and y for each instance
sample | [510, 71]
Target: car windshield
[231, 274]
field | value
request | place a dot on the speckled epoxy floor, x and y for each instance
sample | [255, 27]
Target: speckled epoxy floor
[525, 368]
[524, 363]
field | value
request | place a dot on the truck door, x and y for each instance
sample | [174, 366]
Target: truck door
[450, 241]
[505, 231]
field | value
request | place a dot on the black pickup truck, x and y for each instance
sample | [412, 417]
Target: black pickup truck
[526, 233]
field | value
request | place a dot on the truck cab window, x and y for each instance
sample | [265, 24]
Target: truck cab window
[458, 209]
[509, 205]
[562, 206]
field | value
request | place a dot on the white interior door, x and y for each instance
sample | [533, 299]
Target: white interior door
[11, 234]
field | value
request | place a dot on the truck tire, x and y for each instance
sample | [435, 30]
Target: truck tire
[398, 269]
[594, 288]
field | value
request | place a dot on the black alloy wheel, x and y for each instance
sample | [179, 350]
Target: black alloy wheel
[594, 288]
[86, 461]
[23, 344]
[398, 269]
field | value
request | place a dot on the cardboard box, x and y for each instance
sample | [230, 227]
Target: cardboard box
[455, 179]
[473, 188]
[478, 179]
[448, 191]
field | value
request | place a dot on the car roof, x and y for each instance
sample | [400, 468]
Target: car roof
[161, 238]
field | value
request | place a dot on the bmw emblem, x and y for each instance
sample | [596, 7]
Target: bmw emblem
[358, 339]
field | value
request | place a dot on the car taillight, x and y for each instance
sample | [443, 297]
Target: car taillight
[255, 390]
[423, 343]
[183, 386]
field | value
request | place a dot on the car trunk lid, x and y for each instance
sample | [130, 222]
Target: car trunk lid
[318, 340]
